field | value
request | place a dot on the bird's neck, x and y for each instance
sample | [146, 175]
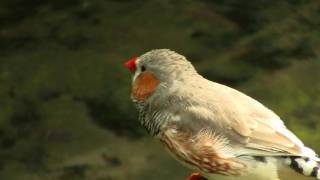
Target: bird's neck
[154, 113]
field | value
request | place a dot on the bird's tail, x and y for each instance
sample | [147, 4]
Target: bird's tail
[303, 165]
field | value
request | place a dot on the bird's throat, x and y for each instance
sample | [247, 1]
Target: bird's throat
[144, 85]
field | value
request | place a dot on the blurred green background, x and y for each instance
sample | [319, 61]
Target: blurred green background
[65, 111]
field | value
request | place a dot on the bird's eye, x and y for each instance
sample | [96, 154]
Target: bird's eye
[143, 68]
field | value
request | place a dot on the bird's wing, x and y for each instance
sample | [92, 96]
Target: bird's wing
[245, 122]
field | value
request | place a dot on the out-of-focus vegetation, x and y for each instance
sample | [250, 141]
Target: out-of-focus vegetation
[65, 111]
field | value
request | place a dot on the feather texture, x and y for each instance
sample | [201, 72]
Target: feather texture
[213, 128]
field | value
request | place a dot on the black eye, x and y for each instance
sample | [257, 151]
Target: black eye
[143, 68]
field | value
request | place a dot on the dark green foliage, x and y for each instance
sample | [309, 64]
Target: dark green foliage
[65, 111]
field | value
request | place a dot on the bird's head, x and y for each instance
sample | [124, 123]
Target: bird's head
[156, 67]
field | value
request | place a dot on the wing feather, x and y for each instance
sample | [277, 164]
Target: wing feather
[244, 121]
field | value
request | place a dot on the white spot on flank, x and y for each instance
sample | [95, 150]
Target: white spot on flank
[237, 165]
[175, 118]
[206, 160]
[174, 131]
[287, 161]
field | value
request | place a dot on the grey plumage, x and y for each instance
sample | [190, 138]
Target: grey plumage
[249, 132]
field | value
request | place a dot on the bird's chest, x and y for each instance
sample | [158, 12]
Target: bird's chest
[151, 120]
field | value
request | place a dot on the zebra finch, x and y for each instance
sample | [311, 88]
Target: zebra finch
[215, 130]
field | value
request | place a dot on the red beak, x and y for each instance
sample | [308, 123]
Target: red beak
[131, 64]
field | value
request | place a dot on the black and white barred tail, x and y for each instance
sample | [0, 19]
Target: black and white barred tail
[305, 166]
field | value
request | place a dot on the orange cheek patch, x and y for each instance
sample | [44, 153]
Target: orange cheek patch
[144, 85]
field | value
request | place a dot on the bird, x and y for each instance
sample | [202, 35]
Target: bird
[218, 132]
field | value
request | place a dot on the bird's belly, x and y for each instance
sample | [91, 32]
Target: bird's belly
[256, 170]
